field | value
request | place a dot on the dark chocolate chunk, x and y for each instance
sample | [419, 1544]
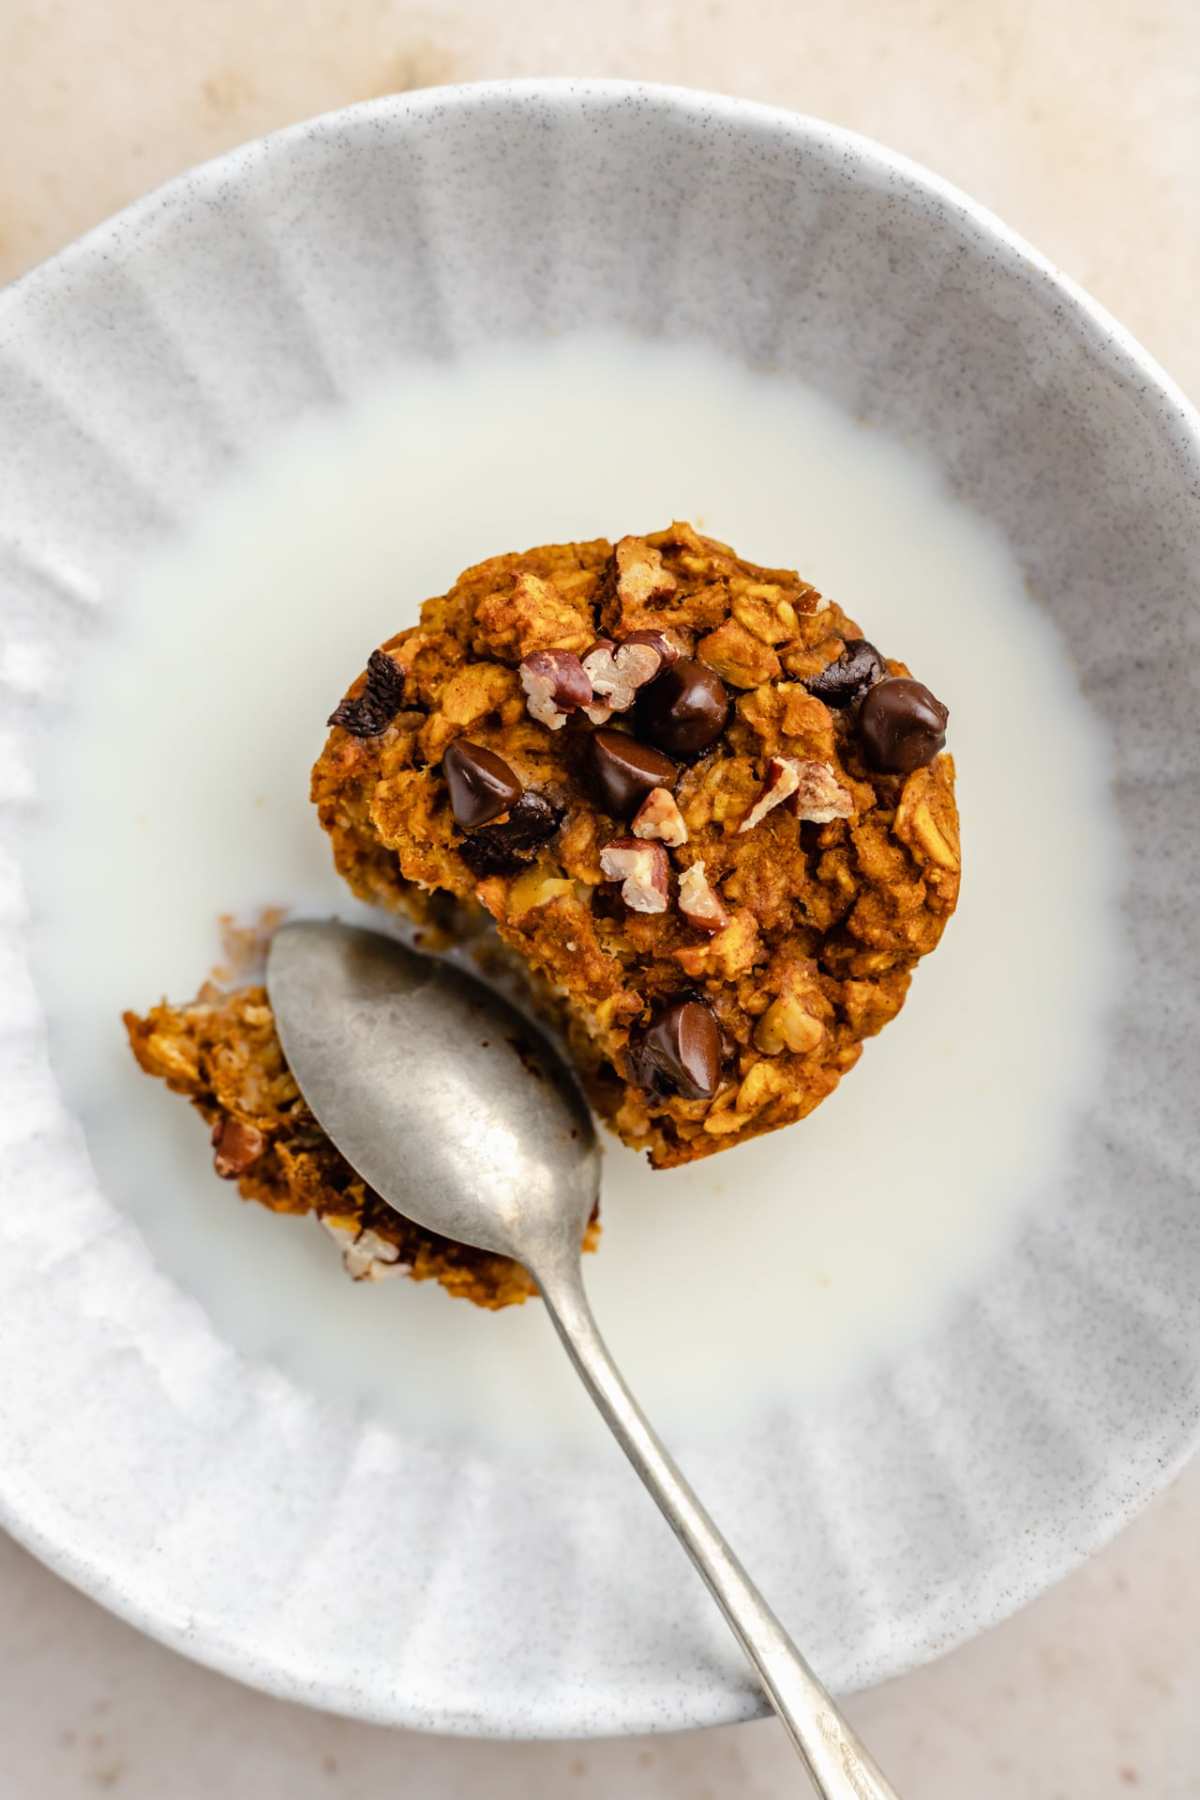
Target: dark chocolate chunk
[623, 772]
[902, 725]
[373, 710]
[847, 679]
[683, 711]
[505, 847]
[680, 1052]
[482, 786]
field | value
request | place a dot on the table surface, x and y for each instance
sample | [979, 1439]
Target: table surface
[1078, 121]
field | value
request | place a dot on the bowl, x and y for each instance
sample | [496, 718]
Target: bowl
[203, 1491]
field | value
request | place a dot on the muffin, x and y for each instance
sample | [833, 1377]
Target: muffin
[708, 816]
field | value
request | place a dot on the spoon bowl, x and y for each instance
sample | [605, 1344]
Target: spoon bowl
[444, 1098]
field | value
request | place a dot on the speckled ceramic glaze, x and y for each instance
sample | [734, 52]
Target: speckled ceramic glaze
[226, 1510]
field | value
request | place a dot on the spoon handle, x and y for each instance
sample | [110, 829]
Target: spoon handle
[839, 1765]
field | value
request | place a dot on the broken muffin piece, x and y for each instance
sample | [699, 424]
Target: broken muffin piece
[712, 820]
[223, 1053]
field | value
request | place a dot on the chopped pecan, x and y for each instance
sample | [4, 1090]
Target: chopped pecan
[782, 780]
[699, 901]
[820, 797]
[373, 1258]
[812, 787]
[365, 1254]
[555, 685]
[643, 871]
[659, 817]
[597, 710]
[235, 1147]
[617, 671]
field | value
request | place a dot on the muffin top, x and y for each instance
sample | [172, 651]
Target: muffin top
[713, 820]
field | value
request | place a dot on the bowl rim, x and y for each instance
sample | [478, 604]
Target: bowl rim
[672, 96]
[1080, 314]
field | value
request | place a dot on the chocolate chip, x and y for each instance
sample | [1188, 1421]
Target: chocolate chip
[684, 709]
[680, 1052]
[623, 772]
[482, 786]
[500, 849]
[373, 710]
[903, 726]
[848, 677]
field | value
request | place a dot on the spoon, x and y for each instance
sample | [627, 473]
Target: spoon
[463, 1117]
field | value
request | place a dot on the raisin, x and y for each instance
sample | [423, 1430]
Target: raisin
[373, 710]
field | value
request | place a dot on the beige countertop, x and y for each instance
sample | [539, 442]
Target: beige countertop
[1080, 125]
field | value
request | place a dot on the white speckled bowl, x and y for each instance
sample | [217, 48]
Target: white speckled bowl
[210, 1500]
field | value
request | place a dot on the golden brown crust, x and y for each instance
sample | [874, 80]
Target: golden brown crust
[825, 920]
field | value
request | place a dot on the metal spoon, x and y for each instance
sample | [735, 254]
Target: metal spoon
[464, 1118]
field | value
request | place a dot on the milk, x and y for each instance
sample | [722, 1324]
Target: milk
[177, 791]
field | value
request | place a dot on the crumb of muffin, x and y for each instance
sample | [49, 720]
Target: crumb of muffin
[714, 822]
